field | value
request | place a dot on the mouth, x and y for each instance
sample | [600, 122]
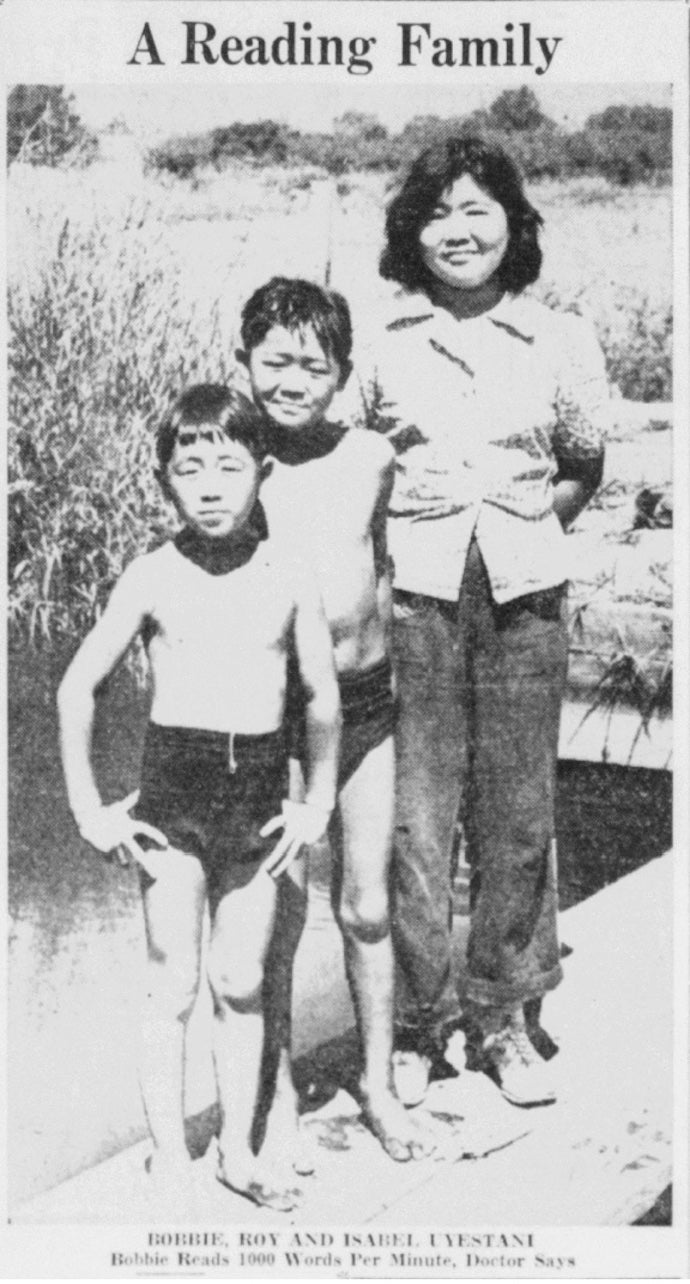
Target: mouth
[213, 517]
[290, 408]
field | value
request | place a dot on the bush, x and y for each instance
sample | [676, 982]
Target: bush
[623, 144]
[639, 352]
[263, 141]
[43, 128]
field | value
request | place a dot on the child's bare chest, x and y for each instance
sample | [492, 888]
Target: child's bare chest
[246, 611]
[316, 505]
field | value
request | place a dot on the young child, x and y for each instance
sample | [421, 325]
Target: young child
[221, 607]
[327, 497]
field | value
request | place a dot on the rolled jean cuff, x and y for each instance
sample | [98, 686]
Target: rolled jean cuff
[499, 994]
[421, 1029]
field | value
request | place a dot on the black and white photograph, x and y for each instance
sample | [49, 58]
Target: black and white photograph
[347, 879]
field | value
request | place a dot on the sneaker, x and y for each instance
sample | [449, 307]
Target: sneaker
[513, 1063]
[456, 1050]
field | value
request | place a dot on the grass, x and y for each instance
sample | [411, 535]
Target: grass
[124, 287]
[98, 341]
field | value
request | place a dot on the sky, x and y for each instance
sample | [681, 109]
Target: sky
[174, 109]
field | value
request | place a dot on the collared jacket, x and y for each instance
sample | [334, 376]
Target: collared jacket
[484, 414]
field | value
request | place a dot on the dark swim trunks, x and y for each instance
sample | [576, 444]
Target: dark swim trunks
[369, 711]
[210, 793]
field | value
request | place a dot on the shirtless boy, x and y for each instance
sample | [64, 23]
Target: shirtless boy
[327, 498]
[221, 608]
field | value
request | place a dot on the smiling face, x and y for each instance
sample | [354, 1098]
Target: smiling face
[292, 377]
[213, 481]
[466, 237]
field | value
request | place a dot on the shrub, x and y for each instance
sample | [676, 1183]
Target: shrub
[639, 350]
[624, 144]
[43, 128]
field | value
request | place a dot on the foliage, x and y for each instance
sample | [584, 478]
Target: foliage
[639, 355]
[44, 129]
[98, 345]
[624, 144]
[262, 141]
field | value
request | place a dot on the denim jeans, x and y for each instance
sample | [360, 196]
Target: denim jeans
[480, 688]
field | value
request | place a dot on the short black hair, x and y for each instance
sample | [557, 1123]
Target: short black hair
[294, 303]
[431, 174]
[212, 405]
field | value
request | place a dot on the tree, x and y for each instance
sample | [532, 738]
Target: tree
[517, 109]
[630, 144]
[43, 128]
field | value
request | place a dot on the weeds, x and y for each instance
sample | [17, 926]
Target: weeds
[99, 343]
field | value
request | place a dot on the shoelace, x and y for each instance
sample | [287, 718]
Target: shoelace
[519, 1040]
[525, 1051]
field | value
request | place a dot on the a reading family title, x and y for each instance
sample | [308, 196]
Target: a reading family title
[297, 44]
[347, 1252]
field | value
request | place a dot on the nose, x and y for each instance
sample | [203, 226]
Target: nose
[293, 382]
[457, 228]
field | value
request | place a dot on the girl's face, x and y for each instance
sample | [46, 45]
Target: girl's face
[466, 237]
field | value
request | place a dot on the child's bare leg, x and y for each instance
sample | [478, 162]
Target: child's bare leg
[240, 941]
[282, 1140]
[362, 843]
[173, 911]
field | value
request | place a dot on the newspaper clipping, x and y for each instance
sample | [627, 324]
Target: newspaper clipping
[347, 876]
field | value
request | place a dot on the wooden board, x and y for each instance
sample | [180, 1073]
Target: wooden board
[600, 1156]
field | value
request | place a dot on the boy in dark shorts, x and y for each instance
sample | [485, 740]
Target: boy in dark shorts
[220, 608]
[327, 497]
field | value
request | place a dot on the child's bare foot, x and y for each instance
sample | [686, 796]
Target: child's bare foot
[304, 1154]
[287, 1144]
[401, 1136]
[246, 1175]
[290, 1147]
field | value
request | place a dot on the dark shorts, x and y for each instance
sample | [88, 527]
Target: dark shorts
[369, 714]
[210, 793]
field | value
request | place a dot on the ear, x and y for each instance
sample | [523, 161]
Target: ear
[345, 372]
[266, 468]
[241, 357]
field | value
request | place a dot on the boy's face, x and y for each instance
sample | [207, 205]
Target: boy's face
[292, 378]
[213, 481]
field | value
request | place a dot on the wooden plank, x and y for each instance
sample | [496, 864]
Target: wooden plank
[600, 1156]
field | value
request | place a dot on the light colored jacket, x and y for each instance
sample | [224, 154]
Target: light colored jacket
[483, 414]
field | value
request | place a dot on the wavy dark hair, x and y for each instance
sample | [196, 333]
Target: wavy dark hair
[293, 303]
[433, 171]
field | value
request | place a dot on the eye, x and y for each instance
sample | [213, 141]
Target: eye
[440, 211]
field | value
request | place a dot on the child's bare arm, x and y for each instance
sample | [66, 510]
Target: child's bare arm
[304, 823]
[382, 561]
[314, 650]
[104, 827]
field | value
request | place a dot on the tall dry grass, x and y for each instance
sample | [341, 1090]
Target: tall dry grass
[124, 288]
[100, 338]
